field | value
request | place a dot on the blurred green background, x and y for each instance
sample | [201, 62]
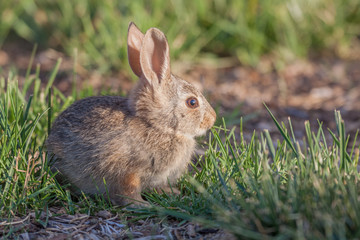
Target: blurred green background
[196, 29]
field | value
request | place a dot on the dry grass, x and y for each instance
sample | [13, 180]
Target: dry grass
[56, 224]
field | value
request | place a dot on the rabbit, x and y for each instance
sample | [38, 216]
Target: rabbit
[120, 146]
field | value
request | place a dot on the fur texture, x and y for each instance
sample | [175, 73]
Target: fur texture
[135, 143]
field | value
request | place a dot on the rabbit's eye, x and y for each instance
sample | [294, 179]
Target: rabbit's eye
[192, 102]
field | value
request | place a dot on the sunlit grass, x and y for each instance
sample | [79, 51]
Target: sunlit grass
[246, 30]
[285, 188]
[280, 189]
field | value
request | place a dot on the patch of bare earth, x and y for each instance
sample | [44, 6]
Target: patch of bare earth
[57, 225]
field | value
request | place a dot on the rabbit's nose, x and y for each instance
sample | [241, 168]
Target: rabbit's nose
[209, 118]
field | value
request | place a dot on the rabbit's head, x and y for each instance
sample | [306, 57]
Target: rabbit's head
[163, 100]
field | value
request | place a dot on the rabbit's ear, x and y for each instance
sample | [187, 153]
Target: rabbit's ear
[154, 57]
[134, 43]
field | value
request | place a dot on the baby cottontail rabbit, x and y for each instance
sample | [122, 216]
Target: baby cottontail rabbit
[141, 142]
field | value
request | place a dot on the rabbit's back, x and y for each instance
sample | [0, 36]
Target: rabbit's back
[87, 121]
[82, 135]
[93, 114]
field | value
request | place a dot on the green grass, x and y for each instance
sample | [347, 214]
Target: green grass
[288, 188]
[256, 188]
[197, 30]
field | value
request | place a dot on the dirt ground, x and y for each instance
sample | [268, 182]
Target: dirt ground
[302, 90]
[106, 225]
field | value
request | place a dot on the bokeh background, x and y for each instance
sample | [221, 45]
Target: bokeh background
[301, 57]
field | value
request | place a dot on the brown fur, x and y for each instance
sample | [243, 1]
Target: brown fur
[135, 143]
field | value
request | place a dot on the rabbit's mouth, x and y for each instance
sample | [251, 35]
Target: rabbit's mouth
[201, 132]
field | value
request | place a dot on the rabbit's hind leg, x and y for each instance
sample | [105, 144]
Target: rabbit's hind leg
[127, 190]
